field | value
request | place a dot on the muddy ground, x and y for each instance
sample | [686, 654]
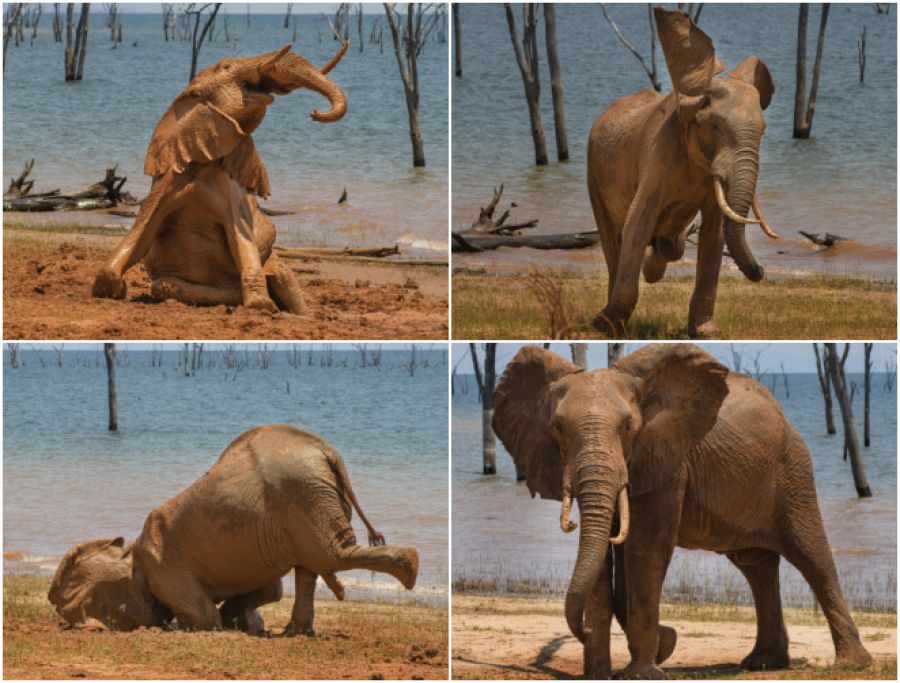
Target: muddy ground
[47, 279]
[529, 639]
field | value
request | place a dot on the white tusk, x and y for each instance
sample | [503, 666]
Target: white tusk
[762, 220]
[564, 523]
[623, 518]
[727, 210]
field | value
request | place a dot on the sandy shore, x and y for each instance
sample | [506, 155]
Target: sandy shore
[47, 280]
[504, 637]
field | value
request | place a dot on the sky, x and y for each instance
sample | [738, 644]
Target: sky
[796, 357]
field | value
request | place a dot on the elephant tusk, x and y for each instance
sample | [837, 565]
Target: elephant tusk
[757, 211]
[727, 210]
[333, 62]
[564, 523]
[623, 518]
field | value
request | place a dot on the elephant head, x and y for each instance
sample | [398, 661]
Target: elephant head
[212, 119]
[95, 588]
[594, 432]
[723, 121]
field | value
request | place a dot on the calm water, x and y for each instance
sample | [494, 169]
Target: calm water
[74, 131]
[862, 533]
[843, 180]
[67, 479]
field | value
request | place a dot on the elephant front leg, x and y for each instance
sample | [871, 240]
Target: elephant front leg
[304, 609]
[598, 617]
[709, 263]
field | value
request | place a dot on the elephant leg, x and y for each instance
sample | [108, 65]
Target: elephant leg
[166, 196]
[639, 224]
[760, 567]
[709, 263]
[334, 583]
[188, 601]
[597, 617]
[172, 287]
[283, 286]
[609, 240]
[652, 532]
[808, 550]
[241, 612]
[304, 608]
[401, 563]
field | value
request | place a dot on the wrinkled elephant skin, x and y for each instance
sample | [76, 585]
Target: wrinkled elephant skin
[200, 233]
[278, 498]
[706, 460]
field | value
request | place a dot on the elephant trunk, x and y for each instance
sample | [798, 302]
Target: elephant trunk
[597, 485]
[315, 80]
[740, 186]
[293, 71]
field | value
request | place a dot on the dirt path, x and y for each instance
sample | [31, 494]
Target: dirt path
[521, 638]
[47, 281]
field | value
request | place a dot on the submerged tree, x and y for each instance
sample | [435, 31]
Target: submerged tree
[75, 54]
[194, 12]
[109, 350]
[651, 70]
[803, 109]
[579, 355]
[556, 88]
[825, 385]
[457, 41]
[527, 59]
[486, 384]
[13, 16]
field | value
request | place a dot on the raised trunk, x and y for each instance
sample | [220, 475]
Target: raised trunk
[315, 80]
[596, 493]
[740, 185]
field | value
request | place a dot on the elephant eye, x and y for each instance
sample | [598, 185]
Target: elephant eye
[226, 66]
[627, 424]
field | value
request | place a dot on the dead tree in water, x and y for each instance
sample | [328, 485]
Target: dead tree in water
[168, 13]
[359, 24]
[287, 15]
[579, 355]
[13, 16]
[486, 385]
[457, 41]
[651, 71]
[109, 351]
[861, 57]
[556, 88]
[527, 59]
[614, 352]
[825, 385]
[867, 391]
[74, 55]
[835, 367]
[803, 109]
[195, 13]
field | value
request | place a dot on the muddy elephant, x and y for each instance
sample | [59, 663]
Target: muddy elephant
[655, 161]
[200, 233]
[668, 448]
[278, 498]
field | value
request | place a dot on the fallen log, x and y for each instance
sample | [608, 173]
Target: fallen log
[276, 212]
[55, 203]
[485, 223]
[828, 241]
[103, 194]
[371, 252]
[19, 187]
[472, 242]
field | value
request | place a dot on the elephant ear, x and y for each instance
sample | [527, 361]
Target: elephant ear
[680, 390]
[690, 58]
[522, 417]
[754, 71]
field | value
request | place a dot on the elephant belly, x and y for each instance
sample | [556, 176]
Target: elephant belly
[196, 251]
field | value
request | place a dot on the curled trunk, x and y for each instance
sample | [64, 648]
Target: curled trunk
[739, 190]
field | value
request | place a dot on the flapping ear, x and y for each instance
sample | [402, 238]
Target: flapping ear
[690, 57]
[754, 71]
[522, 417]
[680, 389]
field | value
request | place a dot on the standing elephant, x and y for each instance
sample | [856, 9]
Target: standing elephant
[278, 498]
[655, 161]
[200, 232]
[685, 453]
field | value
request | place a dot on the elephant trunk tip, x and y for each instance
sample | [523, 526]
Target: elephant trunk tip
[753, 272]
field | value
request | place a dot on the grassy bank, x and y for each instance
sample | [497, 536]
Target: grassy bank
[530, 306]
[357, 640]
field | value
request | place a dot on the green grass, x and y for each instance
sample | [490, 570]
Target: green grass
[810, 307]
[68, 228]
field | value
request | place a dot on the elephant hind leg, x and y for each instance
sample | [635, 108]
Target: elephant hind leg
[304, 608]
[760, 567]
[284, 287]
[171, 287]
[241, 612]
[401, 563]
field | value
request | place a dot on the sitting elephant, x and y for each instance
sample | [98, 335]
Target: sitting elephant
[687, 453]
[200, 233]
[277, 499]
[655, 161]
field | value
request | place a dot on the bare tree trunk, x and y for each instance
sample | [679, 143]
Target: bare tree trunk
[197, 41]
[486, 385]
[457, 40]
[287, 15]
[75, 54]
[81, 39]
[650, 71]
[804, 110]
[614, 352]
[579, 355]
[109, 351]
[359, 24]
[556, 88]
[867, 391]
[409, 72]
[825, 385]
[835, 367]
[14, 11]
[861, 56]
[527, 59]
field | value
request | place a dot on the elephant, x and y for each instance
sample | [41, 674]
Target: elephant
[278, 498]
[655, 161]
[200, 232]
[665, 448]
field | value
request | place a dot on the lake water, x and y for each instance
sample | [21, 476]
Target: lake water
[75, 130]
[499, 532]
[843, 180]
[67, 479]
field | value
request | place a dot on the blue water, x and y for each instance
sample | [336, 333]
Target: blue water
[75, 130]
[67, 479]
[843, 180]
[500, 532]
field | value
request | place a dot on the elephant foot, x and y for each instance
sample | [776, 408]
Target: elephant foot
[292, 630]
[284, 288]
[249, 621]
[612, 327]
[855, 657]
[108, 285]
[259, 302]
[668, 636]
[634, 672]
[406, 567]
[706, 330]
[766, 660]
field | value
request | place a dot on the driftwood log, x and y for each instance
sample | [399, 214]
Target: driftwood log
[104, 194]
[302, 252]
[827, 241]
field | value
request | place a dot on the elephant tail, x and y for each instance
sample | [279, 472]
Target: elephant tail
[336, 462]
